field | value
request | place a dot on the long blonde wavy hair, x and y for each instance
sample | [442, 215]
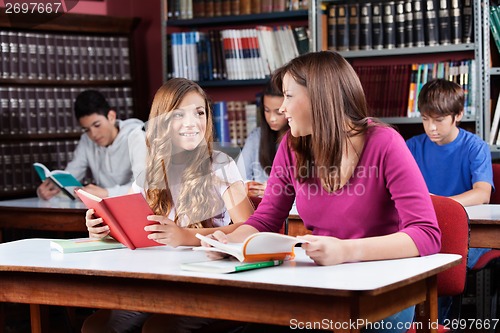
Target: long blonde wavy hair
[197, 202]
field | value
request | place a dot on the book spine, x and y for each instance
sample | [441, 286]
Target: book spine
[389, 24]
[400, 24]
[455, 21]
[245, 7]
[13, 110]
[365, 26]
[23, 55]
[467, 21]
[332, 27]
[444, 22]
[221, 122]
[4, 111]
[431, 23]
[235, 7]
[342, 27]
[353, 26]
[377, 26]
[14, 55]
[4, 55]
[408, 23]
[418, 20]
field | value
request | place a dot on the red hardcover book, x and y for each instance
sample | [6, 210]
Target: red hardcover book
[126, 216]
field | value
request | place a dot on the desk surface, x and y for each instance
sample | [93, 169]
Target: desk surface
[150, 280]
[57, 214]
[34, 255]
[36, 203]
[484, 212]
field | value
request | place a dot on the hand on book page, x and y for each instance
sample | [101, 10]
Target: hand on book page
[126, 216]
[227, 265]
[62, 179]
[261, 246]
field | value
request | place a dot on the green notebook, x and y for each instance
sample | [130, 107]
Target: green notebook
[227, 266]
[84, 244]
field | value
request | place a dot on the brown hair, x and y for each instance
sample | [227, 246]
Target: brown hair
[194, 203]
[441, 97]
[339, 111]
[268, 137]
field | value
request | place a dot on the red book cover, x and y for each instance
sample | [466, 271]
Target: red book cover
[126, 216]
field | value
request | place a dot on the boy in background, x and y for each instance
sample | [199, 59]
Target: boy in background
[114, 150]
[454, 162]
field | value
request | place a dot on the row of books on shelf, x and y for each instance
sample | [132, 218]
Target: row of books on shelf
[49, 110]
[45, 56]
[188, 9]
[392, 90]
[234, 121]
[495, 24]
[16, 162]
[362, 25]
[234, 54]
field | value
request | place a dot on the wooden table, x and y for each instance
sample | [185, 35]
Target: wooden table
[56, 214]
[484, 226]
[150, 280]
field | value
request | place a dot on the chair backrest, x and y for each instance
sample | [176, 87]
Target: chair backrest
[256, 201]
[495, 196]
[454, 224]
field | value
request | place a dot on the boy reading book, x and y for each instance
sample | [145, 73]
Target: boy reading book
[113, 149]
[453, 161]
[190, 188]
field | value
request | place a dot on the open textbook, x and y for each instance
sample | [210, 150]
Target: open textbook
[126, 215]
[261, 246]
[63, 179]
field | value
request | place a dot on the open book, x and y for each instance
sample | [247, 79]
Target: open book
[126, 215]
[261, 246]
[63, 179]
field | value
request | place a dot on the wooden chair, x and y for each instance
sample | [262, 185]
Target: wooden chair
[256, 201]
[454, 224]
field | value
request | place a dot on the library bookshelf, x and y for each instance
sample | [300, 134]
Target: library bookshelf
[397, 46]
[46, 61]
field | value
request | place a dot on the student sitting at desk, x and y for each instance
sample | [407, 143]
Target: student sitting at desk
[453, 161]
[260, 147]
[114, 150]
[355, 182]
[190, 187]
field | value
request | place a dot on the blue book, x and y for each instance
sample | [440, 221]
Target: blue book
[63, 179]
[221, 122]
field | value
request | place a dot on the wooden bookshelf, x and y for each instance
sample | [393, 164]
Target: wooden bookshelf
[46, 61]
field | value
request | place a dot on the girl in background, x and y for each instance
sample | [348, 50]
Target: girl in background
[260, 147]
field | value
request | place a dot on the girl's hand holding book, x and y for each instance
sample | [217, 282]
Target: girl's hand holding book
[221, 237]
[95, 226]
[167, 231]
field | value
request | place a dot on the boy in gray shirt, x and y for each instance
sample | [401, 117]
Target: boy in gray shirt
[114, 150]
